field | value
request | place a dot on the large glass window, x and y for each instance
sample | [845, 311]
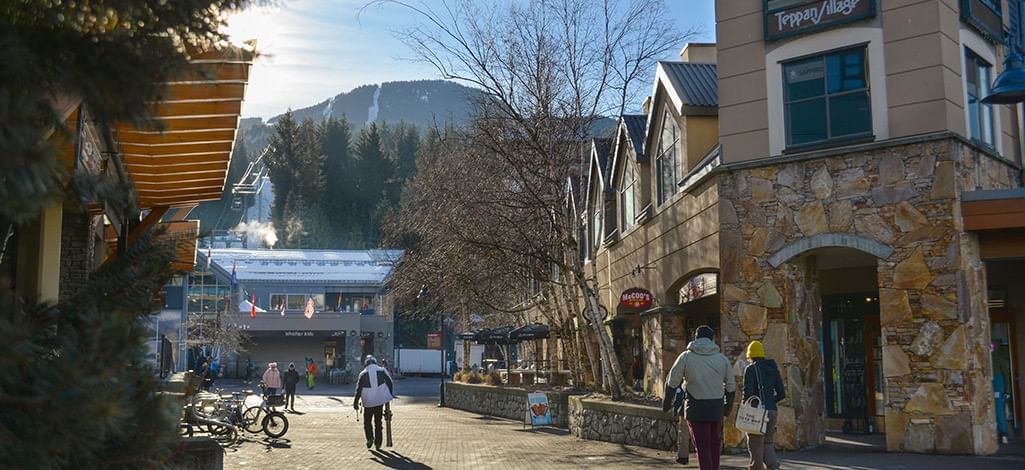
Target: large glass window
[628, 197]
[296, 302]
[207, 293]
[666, 162]
[980, 115]
[595, 224]
[826, 97]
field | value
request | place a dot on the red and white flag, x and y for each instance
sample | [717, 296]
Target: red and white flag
[282, 307]
[309, 308]
[209, 257]
[252, 309]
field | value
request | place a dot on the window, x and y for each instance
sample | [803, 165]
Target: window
[628, 198]
[666, 162]
[595, 226]
[980, 116]
[826, 98]
[351, 303]
[296, 302]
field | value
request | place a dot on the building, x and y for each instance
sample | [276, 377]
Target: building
[870, 215]
[352, 312]
[652, 211]
[172, 167]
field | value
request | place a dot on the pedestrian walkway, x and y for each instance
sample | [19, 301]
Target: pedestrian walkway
[326, 435]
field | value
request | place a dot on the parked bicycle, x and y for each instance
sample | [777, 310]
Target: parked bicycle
[265, 416]
[214, 415]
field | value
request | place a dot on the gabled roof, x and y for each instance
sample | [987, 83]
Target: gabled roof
[695, 84]
[634, 124]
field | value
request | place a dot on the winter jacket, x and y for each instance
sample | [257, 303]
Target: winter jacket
[272, 377]
[291, 379]
[374, 386]
[706, 375]
[772, 390]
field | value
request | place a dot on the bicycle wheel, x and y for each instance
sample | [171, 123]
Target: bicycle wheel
[251, 420]
[275, 424]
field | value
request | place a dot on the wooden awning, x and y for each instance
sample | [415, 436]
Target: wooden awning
[185, 160]
[999, 209]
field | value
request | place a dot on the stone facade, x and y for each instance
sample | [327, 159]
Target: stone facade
[621, 423]
[503, 402]
[76, 251]
[900, 202]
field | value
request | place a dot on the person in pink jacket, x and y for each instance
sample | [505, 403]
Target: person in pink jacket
[272, 378]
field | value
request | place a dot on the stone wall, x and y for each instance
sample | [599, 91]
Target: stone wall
[503, 402]
[899, 202]
[76, 251]
[621, 423]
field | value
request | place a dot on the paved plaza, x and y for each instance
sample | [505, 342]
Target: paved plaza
[326, 435]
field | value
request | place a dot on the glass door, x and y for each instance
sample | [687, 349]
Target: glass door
[1004, 378]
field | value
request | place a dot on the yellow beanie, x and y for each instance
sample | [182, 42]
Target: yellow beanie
[755, 349]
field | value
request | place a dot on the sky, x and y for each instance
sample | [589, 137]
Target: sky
[314, 49]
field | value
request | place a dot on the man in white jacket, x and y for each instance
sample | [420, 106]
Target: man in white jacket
[374, 386]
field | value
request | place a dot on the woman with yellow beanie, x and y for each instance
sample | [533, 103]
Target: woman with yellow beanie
[762, 378]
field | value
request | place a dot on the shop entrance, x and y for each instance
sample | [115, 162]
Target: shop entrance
[842, 287]
[1005, 281]
[852, 352]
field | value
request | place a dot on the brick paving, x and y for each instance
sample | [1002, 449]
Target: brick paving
[326, 435]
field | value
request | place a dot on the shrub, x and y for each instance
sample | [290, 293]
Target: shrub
[493, 378]
[474, 378]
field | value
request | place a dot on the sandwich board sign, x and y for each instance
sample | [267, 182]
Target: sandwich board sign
[538, 412]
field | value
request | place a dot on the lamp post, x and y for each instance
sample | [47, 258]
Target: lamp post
[424, 292]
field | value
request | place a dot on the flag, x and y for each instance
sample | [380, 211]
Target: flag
[209, 257]
[309, 308]
[252, 309]
[339, 303]
[234, 278]
[282, 307]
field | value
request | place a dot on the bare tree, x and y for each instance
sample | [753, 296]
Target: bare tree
[489, 212]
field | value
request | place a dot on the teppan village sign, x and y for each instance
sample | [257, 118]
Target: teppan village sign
[784, 18]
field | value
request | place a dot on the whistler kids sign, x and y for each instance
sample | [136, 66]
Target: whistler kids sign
[636, 298]
[789, 17]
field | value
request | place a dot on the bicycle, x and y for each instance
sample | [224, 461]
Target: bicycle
[212, 414]
[273, 423]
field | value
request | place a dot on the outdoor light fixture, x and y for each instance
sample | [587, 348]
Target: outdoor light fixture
[352, 332]
[1009, 86]
[380, 334]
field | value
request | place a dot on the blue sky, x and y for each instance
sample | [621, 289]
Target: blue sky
[315, 49]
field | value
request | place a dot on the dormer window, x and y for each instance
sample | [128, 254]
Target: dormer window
[628, 198]
[666, 162]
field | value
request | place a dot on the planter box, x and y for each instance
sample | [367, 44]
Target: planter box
[621, 423]
[503, 402]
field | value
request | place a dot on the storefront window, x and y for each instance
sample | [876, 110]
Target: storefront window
[826, 98]
[980, 115]
[296, 302]
[207, 294]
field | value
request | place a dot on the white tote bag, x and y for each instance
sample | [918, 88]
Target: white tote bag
[751, 417]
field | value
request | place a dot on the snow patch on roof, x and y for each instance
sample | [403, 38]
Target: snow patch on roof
[327, 266]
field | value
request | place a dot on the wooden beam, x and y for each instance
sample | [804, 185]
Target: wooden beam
[142, 179]
[180, 200]
[152, 138]
[179, 168]
[1002, 244]
[175, 149]
[177, 159]
[993, 214]
[205, 72]
[173, 192]
[202, 108]
[204, 91]
[194, 124]
[146, 223]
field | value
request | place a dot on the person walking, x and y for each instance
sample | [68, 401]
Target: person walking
[250, 368]
[705, 374]
[272, 378]
[291, 380]
[208, 375]
[311, 373]
[762, 379]
[374, 386]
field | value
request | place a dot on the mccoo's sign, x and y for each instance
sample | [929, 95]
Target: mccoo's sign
[636, 298]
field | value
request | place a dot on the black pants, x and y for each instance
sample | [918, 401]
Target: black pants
[290, 396]
[373, 430]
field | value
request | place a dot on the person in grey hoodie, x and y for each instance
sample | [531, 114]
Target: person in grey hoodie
[706, 376]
